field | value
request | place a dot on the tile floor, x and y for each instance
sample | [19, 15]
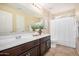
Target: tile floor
[61, 51]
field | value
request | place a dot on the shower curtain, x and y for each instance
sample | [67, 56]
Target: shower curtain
[64, 31]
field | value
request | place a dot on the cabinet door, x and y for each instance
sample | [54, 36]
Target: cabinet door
[32, 52]
[43, 48]
[48, 45]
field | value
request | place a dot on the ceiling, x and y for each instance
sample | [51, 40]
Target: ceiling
[27, 8]
[51, 7]
[59, 7]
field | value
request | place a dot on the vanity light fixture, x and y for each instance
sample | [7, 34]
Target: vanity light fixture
[37, 5]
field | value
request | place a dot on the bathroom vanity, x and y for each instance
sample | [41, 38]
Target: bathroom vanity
[38, 46]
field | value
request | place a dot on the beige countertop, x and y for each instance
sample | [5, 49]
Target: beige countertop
[17, 42]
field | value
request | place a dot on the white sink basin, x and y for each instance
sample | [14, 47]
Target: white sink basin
[23, 36]
[19, 37]
[6, 39]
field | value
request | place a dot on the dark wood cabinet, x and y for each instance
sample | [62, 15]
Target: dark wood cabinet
[33, 48]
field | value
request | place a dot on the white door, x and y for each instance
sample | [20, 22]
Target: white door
[5, 22]
[64, 31]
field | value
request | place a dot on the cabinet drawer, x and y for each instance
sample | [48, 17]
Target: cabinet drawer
[32, 52]
[27, 46]
[30, 45]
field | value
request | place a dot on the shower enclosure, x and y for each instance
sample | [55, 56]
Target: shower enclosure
[64, 31]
